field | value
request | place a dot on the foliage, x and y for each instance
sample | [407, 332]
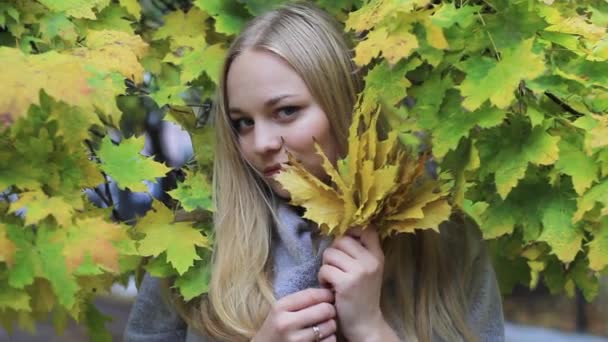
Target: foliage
[378, 183]
[510, 97]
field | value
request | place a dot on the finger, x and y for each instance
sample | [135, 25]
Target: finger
[355, 232]
[350, 246]
[327, 329]
[305, 298]
[330, 275]
[314, 315]
[331, 338]
[371, 239]
[336, 257]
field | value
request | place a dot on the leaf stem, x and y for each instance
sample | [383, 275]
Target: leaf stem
[489, 36]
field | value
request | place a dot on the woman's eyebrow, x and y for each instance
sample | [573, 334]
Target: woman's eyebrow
[268, 104]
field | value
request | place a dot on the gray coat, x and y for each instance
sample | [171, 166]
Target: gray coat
[297, 257]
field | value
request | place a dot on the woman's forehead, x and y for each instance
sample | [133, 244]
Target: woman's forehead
[258, 77]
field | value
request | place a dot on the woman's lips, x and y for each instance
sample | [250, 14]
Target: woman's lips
[271, 171]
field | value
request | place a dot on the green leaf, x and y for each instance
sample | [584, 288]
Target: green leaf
[456, 124]
[574, 162]
[179, 25]
[15, 299]
[598, 258]
[179, 239]
[497, 81]
[25, 267]
[448, 15]
[132, 7]
[125, 164]
[76, 8]
[509, 158]
[95, 323]
[208, 60]
[54, 268]
[195, 281]
[159, 267]
[585, 280]
[193, 193]
[58, 26]
[228, 19]
[558, 231]
[389, 83]
[597, 194]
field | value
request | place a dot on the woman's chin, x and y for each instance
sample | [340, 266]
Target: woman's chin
[278, 190]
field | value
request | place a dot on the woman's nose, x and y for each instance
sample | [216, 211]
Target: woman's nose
[267, 140]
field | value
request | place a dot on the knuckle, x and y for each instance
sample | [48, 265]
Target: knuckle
[281, 324]
[328, 310]
[332, 325]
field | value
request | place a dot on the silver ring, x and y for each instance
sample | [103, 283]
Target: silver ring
[317, 331]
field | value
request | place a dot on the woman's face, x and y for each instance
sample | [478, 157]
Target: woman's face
[273, 111]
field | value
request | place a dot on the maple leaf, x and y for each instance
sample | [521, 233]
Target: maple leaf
[76, 8]
[193, 193]
[208, 59]
[178, 239]
[388, 84]
[63, 77]
[574, 162]
[496, 81]
[183, 29]
[227, 19]
[39, 206]
[380, 182]
[448, 15]
[597, 194]
[133, 7]
[511, 155]
[558, 231]
[598, 259]
[11, 298]
[95, 237]
[114, 51]
[195, 281]
[125, 164]
[57, 25]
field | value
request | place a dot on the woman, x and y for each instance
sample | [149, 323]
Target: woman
[287, 78]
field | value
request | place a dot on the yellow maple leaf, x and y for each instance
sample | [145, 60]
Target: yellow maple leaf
[380, 182]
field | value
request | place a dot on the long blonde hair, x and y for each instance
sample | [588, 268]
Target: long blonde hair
[418, 279]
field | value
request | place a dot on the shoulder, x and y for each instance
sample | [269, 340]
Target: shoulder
[152, 316]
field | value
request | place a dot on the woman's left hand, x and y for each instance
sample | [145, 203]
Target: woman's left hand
[352, 267]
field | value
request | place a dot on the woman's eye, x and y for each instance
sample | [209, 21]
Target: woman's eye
[287, 111]
[242, 124]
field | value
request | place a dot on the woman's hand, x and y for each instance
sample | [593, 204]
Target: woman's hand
[352, 267]
[293, 317]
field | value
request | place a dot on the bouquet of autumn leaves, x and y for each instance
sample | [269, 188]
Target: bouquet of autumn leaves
[380, 182]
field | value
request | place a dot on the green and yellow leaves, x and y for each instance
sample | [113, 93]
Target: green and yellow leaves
[178, 240]
[194, 193]
[125, 164]
[497, 81]
[85, 77]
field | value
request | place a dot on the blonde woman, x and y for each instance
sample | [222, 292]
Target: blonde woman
[288, 78]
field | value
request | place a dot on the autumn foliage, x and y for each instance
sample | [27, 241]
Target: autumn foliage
[507, 99]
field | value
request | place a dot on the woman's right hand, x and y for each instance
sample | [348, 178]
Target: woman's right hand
[293, 317]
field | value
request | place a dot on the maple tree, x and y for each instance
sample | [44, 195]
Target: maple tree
[507, 99]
